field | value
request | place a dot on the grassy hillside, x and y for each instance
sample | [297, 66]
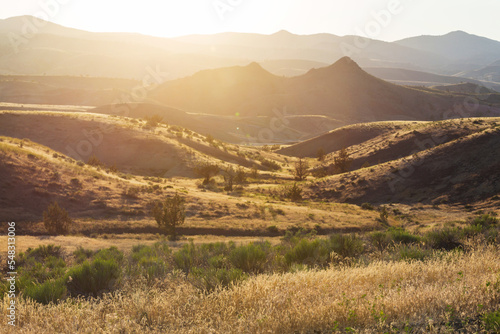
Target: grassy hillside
[421, 162]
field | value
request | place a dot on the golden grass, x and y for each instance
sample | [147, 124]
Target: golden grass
[373, 298]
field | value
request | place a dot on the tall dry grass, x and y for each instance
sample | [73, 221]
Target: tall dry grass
[413, 296]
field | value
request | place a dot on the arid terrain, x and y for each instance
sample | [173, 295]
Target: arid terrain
[240, 193]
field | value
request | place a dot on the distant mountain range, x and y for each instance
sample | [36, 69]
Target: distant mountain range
[342, 91]
[26, 49]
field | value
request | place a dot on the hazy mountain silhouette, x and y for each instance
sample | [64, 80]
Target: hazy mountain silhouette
[58, 50]
[342, 91]
[457, 46]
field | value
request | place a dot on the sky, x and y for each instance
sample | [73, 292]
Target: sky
[387, 20]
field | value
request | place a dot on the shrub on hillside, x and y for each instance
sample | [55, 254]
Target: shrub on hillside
[309, 252]
[272, 165]
[50, 291]
[170, 214]
[446, 238]
[94, 161]
[154, 120]
[81, 254]
[485, 220]
[343, 161]
[293, 193]
[399, 235]
[206, 171]
[301, 170]
[346, 245]
[250, 258]
[93, 278]
[56, 219]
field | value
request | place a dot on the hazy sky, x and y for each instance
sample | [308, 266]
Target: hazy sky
[341, 17]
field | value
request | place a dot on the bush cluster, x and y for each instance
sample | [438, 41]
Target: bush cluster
[44, 276]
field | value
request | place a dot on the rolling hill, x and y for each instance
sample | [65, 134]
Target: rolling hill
[129, 145]
[413, 162]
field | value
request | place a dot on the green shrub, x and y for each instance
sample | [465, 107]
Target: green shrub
[367, 206]
[111, 253]
[384, 214]
[446, 238]
[346, 245]
[40, 253]
[309, 252]
[140, 252]
[47, 292]
[399, 235]
[153, 267]
[472, 230]
[92, 278]
[149, 260]
[381, 240]
[251, 257]
[413, 252]
[56, 219]
[485, 220]
[294, 235]
[218, 261]
[186, 257]
[81, 254]
[491, 321]
[34, 271]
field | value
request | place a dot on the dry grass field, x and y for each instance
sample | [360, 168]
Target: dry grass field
[440, 295]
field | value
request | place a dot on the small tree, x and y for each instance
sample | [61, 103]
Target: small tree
[254, 174]
[384, 214]
[301, 170]
[153, 120]
[209, 139]
[241, 176]
[56, 219]
[206, 171]
[94, 161]
[343, 161]
[229, 177]
[170, 214]
[320, 154]
[294, 193]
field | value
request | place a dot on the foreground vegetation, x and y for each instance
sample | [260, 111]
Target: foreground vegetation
[390, 280]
